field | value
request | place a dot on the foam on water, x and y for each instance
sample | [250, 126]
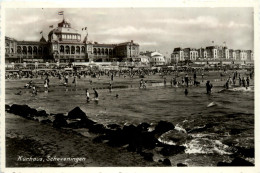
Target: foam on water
[206, 146]
[180, 128]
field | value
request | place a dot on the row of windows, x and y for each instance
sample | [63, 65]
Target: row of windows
[72, 49]
[70, 36]
[99, 51]
[30, 50]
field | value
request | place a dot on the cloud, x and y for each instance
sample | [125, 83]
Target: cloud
[148, 43]
[203, 21]
[128, 30]
[24, 20]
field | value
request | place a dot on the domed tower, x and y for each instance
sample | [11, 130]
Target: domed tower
[64, 33]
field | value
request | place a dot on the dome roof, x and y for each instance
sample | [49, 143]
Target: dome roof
[63, 30]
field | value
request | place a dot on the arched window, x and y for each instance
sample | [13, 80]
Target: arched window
[99, 51]
[35, 51]
[40, 50]
[61, 49]
[72, 50]
[106, 51]
[24, 50]
[30, 50]
[67, 50]
[19, 50]
[110, 51]
[78, 50]
[102, 51]
[95, 51]
[83, 49]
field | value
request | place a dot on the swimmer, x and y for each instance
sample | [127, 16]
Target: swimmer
[19, 93]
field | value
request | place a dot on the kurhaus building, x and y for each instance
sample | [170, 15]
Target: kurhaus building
[64, 45]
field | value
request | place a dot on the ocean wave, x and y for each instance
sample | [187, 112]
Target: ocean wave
[207, 146]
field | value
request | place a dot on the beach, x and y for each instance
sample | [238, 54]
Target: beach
[211, 128]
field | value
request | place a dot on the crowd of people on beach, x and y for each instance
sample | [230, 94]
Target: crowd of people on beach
[178, 79]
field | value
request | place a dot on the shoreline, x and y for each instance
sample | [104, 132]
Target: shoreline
[100, 146]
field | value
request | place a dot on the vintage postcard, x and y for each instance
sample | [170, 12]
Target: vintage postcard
[129, 87]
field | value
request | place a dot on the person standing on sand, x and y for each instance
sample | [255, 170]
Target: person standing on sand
[186, 79]
[247, 81]
[208, 87]
[75, 80]
[243, 82]
[194, 77]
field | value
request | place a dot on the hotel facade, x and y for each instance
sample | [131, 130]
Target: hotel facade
[212, 54]
[64, 45]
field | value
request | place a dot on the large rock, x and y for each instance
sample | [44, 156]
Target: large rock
[148, 140]
[60, 121]
[97, 128]
[241, 162]
[147, 156]
[77, 113]
[175, 136]
[170, 150]
[7, 107]
[41, 113]
[23, 110]
[163, 126]
[46, 121]
[167, 162]
[181, 165]
[245, 152]
[143, 127]
[113, 126]
[116, 138]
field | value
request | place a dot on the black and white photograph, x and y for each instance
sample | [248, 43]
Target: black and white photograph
[129, 87]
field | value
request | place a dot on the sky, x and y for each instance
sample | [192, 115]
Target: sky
[160, 29]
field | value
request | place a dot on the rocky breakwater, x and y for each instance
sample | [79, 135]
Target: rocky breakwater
[143, 139]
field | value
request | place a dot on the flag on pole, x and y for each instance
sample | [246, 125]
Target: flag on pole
[60, 13]
[51, 26]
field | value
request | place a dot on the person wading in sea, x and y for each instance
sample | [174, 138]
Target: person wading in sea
[208, 87]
